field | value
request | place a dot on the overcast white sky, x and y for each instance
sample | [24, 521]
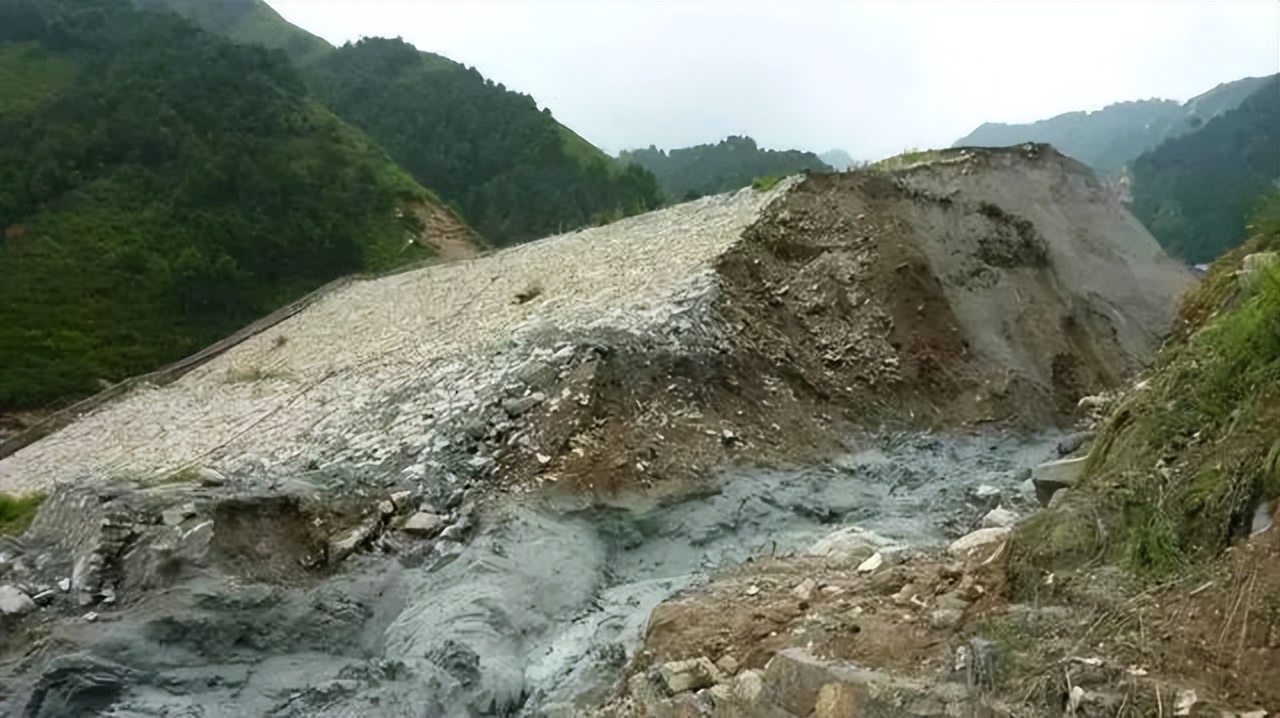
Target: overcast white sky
[872, 78]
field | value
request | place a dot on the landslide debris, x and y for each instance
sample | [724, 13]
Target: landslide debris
[986, 287]
[1149, 586]
[985, 290]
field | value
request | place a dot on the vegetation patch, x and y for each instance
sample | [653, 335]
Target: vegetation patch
[16, 512]
[184, 188]
[1187, 458]
[31, 77]
[254, 373]
[1051, 547]
[765, 184]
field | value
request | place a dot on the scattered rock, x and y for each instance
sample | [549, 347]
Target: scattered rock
[210, 478]
[691, 675]
[1185, 701]
[77, 684]
[1059, 498]
[804, 590]
[90, 617]
[1052, 476]
[951, 601]
[875, 561]
[999, 518]
[401, 498]
[793, 679]
[424, 524]
[176, 515]
[946, 618]
[457, 533]
[984, 496]
[345, 545]
[836, 700]
[517, 407]
[849, 544]
[14, 602]
[721, 694]
[64, 584]
[752, 590]
[1253, 265]
[728, 665]
[748, 685]
[1073, 442]
[685, 705]
[644, 688]
[978, 539]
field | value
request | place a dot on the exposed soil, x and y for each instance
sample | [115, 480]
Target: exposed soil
[446, 235]
[882, 620]
[1133, 652]
[856, 301]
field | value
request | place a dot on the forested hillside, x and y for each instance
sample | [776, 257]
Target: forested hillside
[161, 187]
[247, 21]
[1195, 192]
[732, 163]
[512, 171]
[1111, 138]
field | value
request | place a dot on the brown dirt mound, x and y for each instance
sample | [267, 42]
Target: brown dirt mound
[865, 300]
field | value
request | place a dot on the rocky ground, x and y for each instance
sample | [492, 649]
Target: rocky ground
[361, 492]
[866, 626]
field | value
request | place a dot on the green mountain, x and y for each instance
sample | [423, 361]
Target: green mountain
[733, 163]
[511, 170]
[161, 187]
[1195, 191]
[1111, 138]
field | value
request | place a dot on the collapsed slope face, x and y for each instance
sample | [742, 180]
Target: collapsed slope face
[987, 286]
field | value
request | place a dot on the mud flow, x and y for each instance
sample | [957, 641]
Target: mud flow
[542, 607]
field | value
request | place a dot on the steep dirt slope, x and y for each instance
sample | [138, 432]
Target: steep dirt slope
[992, 287]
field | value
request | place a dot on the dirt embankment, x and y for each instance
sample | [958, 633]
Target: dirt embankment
[927, 298]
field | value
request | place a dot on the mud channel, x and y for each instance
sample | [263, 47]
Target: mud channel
[539, 610]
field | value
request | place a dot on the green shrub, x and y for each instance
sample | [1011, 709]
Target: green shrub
[765, 184]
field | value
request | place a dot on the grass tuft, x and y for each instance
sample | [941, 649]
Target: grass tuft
[16, 512]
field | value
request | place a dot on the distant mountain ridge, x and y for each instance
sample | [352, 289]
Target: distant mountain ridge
[734, 162]
[1111, 138]
[838, 159]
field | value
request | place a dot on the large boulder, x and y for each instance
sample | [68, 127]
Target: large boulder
[14, 602]
[1053, 476]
